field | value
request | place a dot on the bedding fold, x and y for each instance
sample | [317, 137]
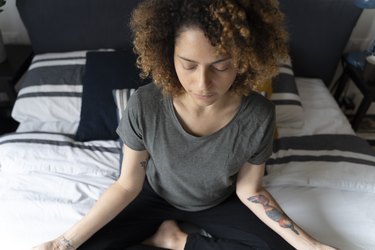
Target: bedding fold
[344, 162]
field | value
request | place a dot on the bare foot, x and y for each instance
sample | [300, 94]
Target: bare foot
[168, 236]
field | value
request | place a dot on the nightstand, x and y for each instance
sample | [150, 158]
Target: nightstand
[355, 73]
[11, 70]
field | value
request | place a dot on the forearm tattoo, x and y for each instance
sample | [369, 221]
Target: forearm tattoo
[273, 212]
[143, 164]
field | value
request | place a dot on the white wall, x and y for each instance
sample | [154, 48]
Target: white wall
[362, 36]
[11, 25]
[364, 32]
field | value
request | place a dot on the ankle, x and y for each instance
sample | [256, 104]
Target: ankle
[169, 235]
[178, 240]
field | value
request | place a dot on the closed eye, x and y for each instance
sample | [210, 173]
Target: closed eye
[220, 69]
[189, 67]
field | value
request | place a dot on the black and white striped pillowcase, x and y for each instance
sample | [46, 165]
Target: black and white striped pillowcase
[121, 98]
[285, 96]
[321, 148]
[48, 72]
[50, 92]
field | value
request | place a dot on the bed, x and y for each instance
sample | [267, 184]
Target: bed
[65, 152]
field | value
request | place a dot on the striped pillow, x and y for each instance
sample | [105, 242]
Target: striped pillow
[50, 93]
[285, 96]
[121, 97]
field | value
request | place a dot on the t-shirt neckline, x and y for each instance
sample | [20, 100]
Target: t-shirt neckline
[179, 126]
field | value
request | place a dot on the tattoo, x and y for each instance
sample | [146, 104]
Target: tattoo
[143, 164]
[273, 212]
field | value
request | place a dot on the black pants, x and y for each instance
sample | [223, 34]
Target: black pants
[232, 225]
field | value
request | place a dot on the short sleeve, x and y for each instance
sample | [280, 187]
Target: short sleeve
[130, 126]
[265, 147]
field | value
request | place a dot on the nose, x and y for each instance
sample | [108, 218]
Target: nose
[204, 78]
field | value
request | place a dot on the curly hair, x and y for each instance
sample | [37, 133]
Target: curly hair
[251, 32]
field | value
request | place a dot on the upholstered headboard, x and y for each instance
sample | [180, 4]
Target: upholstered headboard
[66, 25]
[319, 29]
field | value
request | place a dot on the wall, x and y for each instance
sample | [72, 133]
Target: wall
[11, 25]
[362, 36]
[364, 33]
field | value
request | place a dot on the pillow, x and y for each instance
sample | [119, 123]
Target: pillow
[104, 72]
[121, 97]
[285, 96]
[50, 92]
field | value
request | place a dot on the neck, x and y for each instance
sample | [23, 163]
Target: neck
[202, 121]
[219, 106]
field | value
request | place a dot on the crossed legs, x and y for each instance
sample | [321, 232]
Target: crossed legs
[151, 220]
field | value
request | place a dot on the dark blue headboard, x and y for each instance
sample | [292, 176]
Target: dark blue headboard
[319, 29]
[67, 25]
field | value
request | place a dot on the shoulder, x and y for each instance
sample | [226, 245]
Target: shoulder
[146, 99]
[146, 94]
[259, 105]
[148, 90]
[257, 113]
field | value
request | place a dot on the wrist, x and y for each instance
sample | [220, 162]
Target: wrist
[65, 243]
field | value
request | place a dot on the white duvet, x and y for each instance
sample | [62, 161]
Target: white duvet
[329, 192]
[47, 183]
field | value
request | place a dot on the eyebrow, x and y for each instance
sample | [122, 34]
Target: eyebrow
[192, 61]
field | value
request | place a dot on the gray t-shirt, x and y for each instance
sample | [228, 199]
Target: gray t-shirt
[195, 173]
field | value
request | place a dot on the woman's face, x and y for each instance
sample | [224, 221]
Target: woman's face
[205, 75]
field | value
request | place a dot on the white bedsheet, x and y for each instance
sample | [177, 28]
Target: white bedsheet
[338, 210]
[334, 202]
[344, 219]
[47, 183]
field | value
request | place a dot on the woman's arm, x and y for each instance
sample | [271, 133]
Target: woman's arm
[251, 192]
[110, 203]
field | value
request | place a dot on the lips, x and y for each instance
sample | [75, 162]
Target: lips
[203, 96]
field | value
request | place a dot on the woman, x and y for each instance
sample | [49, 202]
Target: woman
[196, 140]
